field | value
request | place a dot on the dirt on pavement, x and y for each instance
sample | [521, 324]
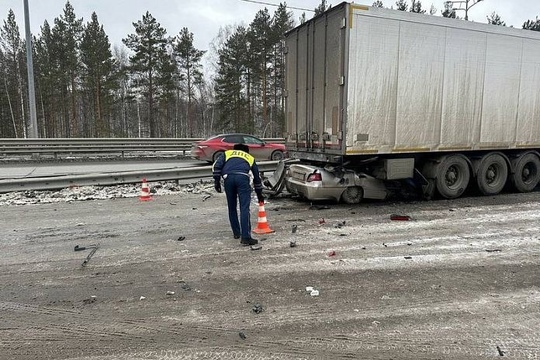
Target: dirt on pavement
[458, 280]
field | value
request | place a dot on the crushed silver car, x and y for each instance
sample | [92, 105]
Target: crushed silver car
[332, 183]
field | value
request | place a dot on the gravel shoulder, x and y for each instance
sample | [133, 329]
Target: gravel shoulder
[459, 280]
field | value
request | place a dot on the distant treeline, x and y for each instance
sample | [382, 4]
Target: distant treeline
[153, 86]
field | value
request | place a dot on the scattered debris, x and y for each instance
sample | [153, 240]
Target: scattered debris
[81, 248]
[408, 257]
[242, 335]
[363, 248]
[385, 245]
[339, 224]
[292, 244]
[142, 298]
[342, 234]
[181, 238]
[493, 250]
[319, 207]
[314, 292]
[255, 247]
[309, 288]
[170, 292]
[501, 353]
[322, 221]
[186, 287]
[206, 197]
[400, 217]
[294, 228]
[332, 253]
[91, 300]
[257, 308]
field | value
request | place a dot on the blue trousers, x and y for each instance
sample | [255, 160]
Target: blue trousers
[238, 189]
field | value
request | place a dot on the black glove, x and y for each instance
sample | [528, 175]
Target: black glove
[217, 185]
[260, 197]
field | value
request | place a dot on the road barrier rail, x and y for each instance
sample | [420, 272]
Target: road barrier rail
[109, 179]
[57, 146]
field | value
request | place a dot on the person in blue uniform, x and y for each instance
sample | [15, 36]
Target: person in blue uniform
[234, 167]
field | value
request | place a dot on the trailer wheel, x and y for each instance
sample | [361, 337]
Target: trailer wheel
[453, 176]
[526, 173]
[352, 195]
[492, 174]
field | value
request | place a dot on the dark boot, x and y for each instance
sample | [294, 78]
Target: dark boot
[250, 241]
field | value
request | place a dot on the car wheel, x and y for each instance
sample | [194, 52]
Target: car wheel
[353, 195]
[216, 155]
[277, 155]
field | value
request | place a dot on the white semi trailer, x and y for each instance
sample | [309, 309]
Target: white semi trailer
[376, 96]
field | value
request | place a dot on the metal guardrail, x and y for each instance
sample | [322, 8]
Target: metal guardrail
[57, 146]
[108, 179]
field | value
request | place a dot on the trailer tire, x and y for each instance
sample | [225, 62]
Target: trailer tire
[492, 174]
[453, 175]
[352, 195]
[526, 172]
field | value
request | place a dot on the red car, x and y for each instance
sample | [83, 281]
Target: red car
[210, 149]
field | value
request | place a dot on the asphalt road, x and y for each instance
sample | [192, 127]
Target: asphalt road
[459, 280]
[46, 169]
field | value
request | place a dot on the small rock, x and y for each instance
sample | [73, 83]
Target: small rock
[242, 335]
[314, 292]
[257, 309]
[292, 244]
[170, 292]
[142, 298]
[186, 287]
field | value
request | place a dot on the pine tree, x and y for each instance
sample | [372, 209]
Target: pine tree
[378, 4]
[11, 49]
[149, 47]
[532, 24]
[230, 85]
[402, 5]
[448, 11]
[321, 8]
[282, 22]
[47, 74]
[260, 42]
[98, 64]
[416, 7]
[495, 19]
[188, 60]
[66, 33]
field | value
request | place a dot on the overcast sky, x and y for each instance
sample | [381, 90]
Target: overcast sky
[205, 17]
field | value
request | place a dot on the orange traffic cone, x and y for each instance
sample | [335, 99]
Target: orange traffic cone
[262, 224]
[145, 191]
